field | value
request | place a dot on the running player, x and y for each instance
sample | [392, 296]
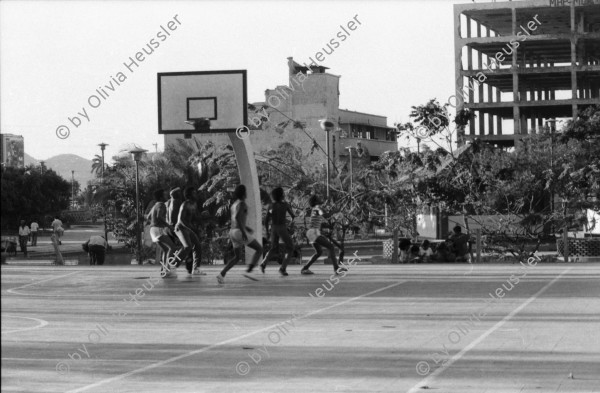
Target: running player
[187, 236]
[318, 241]
[277, 213]
[160, 235]
[239, 235]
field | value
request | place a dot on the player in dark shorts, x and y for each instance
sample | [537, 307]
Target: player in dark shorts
[239, 235]
[318, 241]
[159, 232]
[187, 236]
[277, 214]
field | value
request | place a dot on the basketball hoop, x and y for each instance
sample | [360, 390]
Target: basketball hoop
[200, 125]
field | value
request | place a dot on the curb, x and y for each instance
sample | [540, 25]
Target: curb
[41, 262]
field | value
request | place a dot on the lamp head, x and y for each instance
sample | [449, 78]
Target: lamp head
[137, 153]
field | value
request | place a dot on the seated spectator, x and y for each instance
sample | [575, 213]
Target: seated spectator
[425, 252]
[462, 245]
[443, 254]
[404, 247]
[414, 254]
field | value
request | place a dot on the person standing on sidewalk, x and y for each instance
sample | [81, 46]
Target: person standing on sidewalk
[34, 233]
[23, 237]
[57, 228]
[277, 213]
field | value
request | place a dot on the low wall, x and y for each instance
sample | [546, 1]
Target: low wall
[586, 247]
[75, 216]
[508, 222]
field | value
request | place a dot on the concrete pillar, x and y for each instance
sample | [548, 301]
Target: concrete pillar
[458, 72]
[573, 60]
[499, 117]
[515, 75]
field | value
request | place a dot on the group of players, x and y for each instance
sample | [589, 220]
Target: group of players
[174, 219]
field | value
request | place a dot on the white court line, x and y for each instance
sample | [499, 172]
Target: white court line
[38, 282]
[41, 322]
[231, 340]
[491, 330]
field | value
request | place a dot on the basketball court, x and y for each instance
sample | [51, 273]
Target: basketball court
[381, 328]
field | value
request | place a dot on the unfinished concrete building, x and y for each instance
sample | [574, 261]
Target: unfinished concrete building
[521, 65]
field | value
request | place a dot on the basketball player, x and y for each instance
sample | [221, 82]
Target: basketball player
[160, 235]
[277, 213]
[187, 236]
[239, 235]
[318, 241]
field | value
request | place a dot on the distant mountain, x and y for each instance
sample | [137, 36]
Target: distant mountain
[30, 160]
[63, 164]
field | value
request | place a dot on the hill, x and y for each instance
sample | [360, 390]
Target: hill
[63, 164]
[30, 160]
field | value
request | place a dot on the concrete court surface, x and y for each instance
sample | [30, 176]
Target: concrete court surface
[381, 328]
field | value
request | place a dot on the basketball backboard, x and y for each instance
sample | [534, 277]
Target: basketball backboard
[219, 96]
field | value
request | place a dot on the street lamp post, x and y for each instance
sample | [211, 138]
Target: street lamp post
[327, 126]
[137, 156]
[102, 147]
[327, 164]
[73, 190]
[350, 157]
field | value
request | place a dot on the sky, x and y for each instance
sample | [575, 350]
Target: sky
[55, 54]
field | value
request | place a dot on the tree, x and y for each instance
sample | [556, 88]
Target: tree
[577, 180]
[433, 120]
[97, 165]
[28, 194]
